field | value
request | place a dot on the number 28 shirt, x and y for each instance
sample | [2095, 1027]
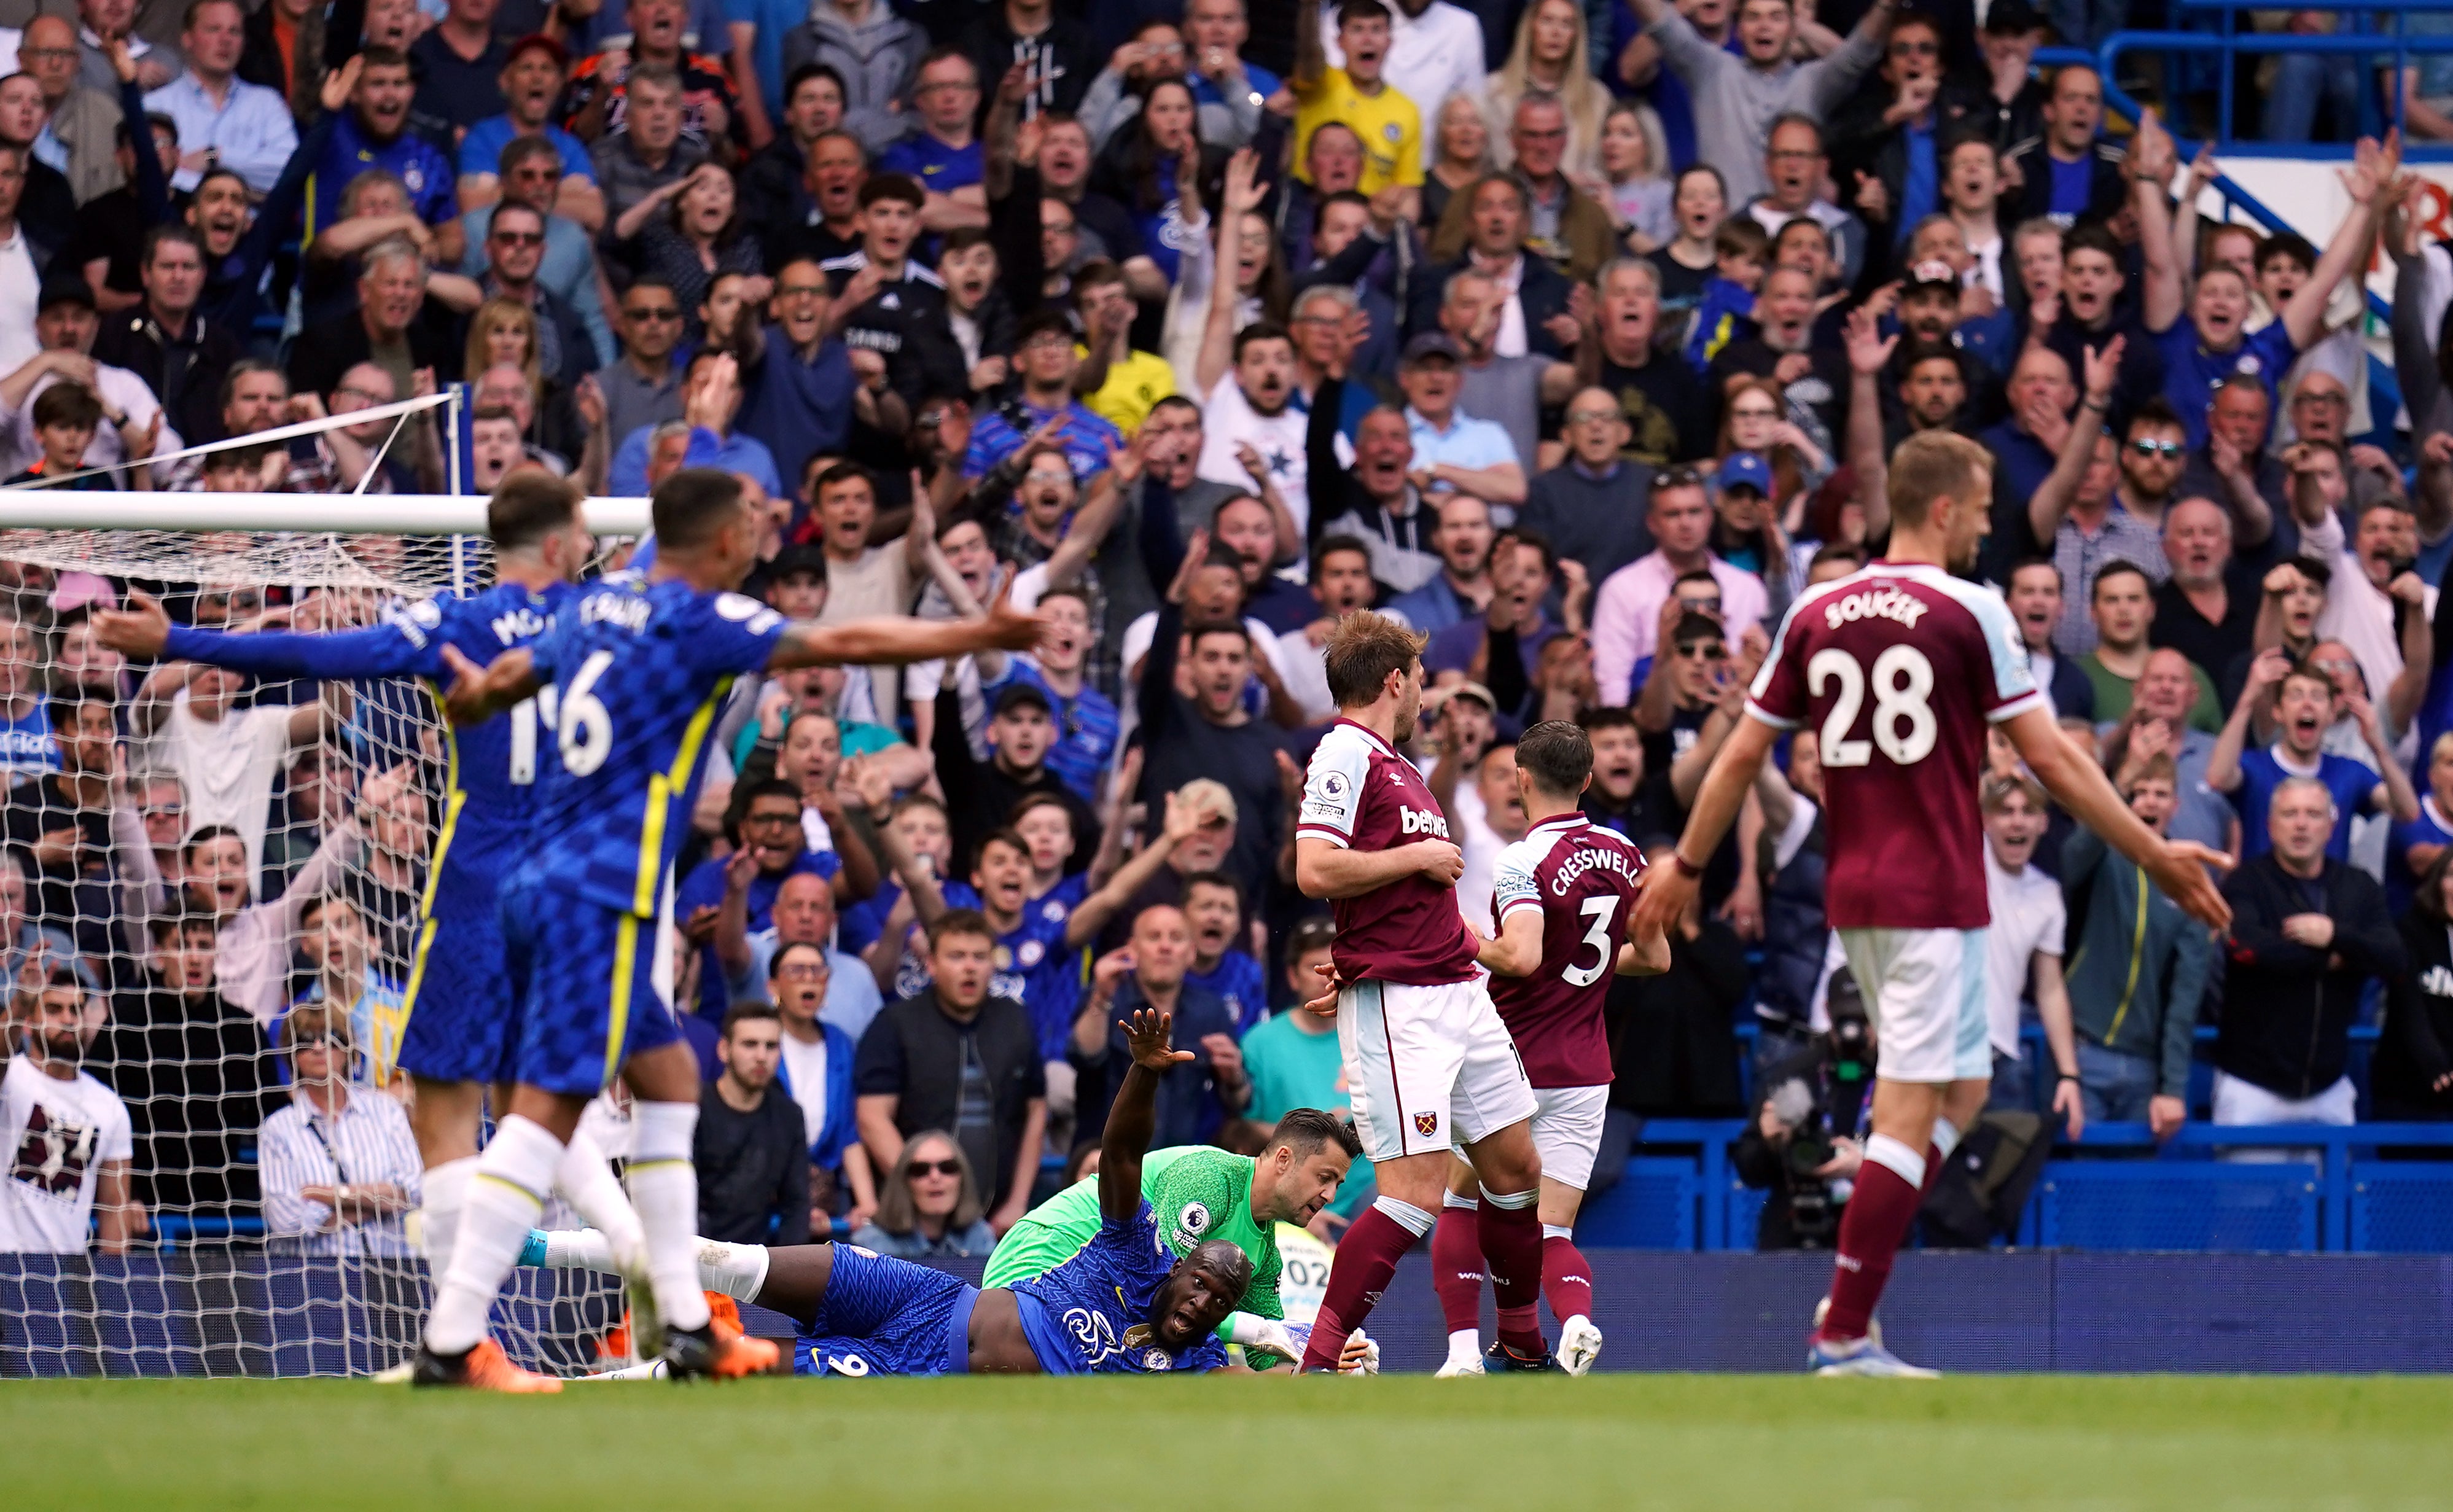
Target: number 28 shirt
[1898, 668]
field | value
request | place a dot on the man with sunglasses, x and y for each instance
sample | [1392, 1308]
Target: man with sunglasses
[798, 377]
[514, 248]
[643, 387]
[532, 175]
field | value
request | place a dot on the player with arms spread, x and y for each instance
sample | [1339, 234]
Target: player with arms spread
[1562, 897]
[1427, 1061]
[1125, 1305]
[1900, 667]
[641, 664]
[459, 996]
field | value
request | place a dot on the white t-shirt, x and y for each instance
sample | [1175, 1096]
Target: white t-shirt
[121, 390]
[1481, 847]
[228, 766]
[58, 1136]
[804, 1066]
[1228, 418]
[2027, 920]
[20, 289]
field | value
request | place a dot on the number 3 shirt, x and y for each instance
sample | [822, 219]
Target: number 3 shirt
[1898, 669]
[1582, 879]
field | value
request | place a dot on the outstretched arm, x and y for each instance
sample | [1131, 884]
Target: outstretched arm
[898, 639]
[145, 631]
[1133, 1115]
[2073, 778]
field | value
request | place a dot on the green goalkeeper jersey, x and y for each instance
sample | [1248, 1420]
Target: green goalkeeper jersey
[1198, 1193]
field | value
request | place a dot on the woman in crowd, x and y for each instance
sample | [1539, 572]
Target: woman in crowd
[1461, 154]
[687, 232]
[1156, 167]
[504, 333]
[1552, 57]
[1757, 420]
[1635, 155]
[931, 1209]
[1699, 203]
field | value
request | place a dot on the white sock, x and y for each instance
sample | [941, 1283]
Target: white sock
[1558, 1231]
[737, 1270]
[1464, 1344]
[445, 1189]
[578, 1249]
[1406, 1215]
[587, 1181]
[1945, 1137]
[503, 1199]
[663, 1188]
[1464, 1204]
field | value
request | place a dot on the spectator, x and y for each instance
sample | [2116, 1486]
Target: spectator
[2075, 509]
[459, 62]
[804, 913]
[340, 1167]
[1225, 86]
[2411, 1079]
[2123, 608]
[819, 1060]
[769, 848]
[1785, 344]
[2412, 849]
[1668, 415]
[103, 22]
[2304, 710]
[778, 184]
[929, 1059]
[1591, 508]
[77, 116]
[1461, 587]
[929, 1207]
[2307, 933]
[225, 756]
[2234, 469]
[71, 1134]
[874, 53]
[1378, 504]
[65, 325]
[1628, 610]
[750, 1150]
[1086, 718]
[178, 353]
[1212, 734]
[2139, 968]
[2068, 173]
[529, 80]
[397, 324]
[1738, 95]
[2035, 600]
[653, 148]
[2158, 722]
[195, 1073]
[1294, 1063]
[559, 350]
[1213, 910]
[2207, 610]
[1511, 392]
[1673, 1045]
[643, 387]
[1356, 93]
[1253, 404]
[2024, 943]
[602, 104]
[2376, 603]
[983, 794]
[374, 134]
[1795, 169]
[1196, 1098]
[1534, 316]
[943, 153]
[532, 172]
[1453, 453]
[222, 119]
[350, 977]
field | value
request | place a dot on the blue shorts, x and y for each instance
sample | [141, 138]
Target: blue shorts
[592, 987]
[459, 999]
[885, 1317]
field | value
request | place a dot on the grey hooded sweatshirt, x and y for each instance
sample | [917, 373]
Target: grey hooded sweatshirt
[877, 56]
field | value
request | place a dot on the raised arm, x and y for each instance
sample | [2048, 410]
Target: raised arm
[2222, 762]
[1093, 913]
[1218, 333]
[1869, 353]
[2164, 295]
[1134, 1113]
[2373, 183]
[2076, 449]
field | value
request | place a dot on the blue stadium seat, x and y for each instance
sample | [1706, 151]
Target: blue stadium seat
[2401, 1207]
[1743, 1208]
[1652, 1207]
[2177, 1205]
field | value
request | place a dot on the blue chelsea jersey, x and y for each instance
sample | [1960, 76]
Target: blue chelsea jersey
[639, 669]
[1090, 1315]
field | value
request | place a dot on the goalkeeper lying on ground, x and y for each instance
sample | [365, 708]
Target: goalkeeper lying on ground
[1118, 1306]
[1198, 1194]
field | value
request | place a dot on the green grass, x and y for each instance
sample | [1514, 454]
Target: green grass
[1650, 1442]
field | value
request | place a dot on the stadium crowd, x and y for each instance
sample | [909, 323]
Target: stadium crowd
[1576, 335]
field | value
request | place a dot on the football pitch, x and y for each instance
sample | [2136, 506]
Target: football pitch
[1651, 1441]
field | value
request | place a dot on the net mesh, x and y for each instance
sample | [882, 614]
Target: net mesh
[165, 864]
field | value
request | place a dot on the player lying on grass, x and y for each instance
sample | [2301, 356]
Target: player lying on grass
[1198, 1193]
[1122, 1305]
[457, 1039]
[641, 664]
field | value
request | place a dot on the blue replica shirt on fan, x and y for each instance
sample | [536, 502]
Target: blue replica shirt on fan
[1001, 433]
[421, 166]
[2191, 372]
[642, 668]
[27, 744]
[1086, 728]
[1029, 962]
[2262, 771]
[2073, 187]
[1090, 1315]
[704, 888]
[939, 169]
[1239, 984]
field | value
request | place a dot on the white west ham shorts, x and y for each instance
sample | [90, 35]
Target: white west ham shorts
[1925, 990]
[1567, 1131]
[1428, 1067]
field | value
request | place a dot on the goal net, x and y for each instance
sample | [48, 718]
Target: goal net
[193, 860]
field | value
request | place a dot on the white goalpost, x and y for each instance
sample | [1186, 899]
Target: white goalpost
[224, 1276]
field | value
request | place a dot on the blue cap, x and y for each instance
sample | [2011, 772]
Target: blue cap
[1744, 469]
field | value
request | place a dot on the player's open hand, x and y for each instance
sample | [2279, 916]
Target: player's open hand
[141, 629]
[1012, 629]
[1438, 860]
[1150, 1034]
[2180, 871]
[475, 691]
